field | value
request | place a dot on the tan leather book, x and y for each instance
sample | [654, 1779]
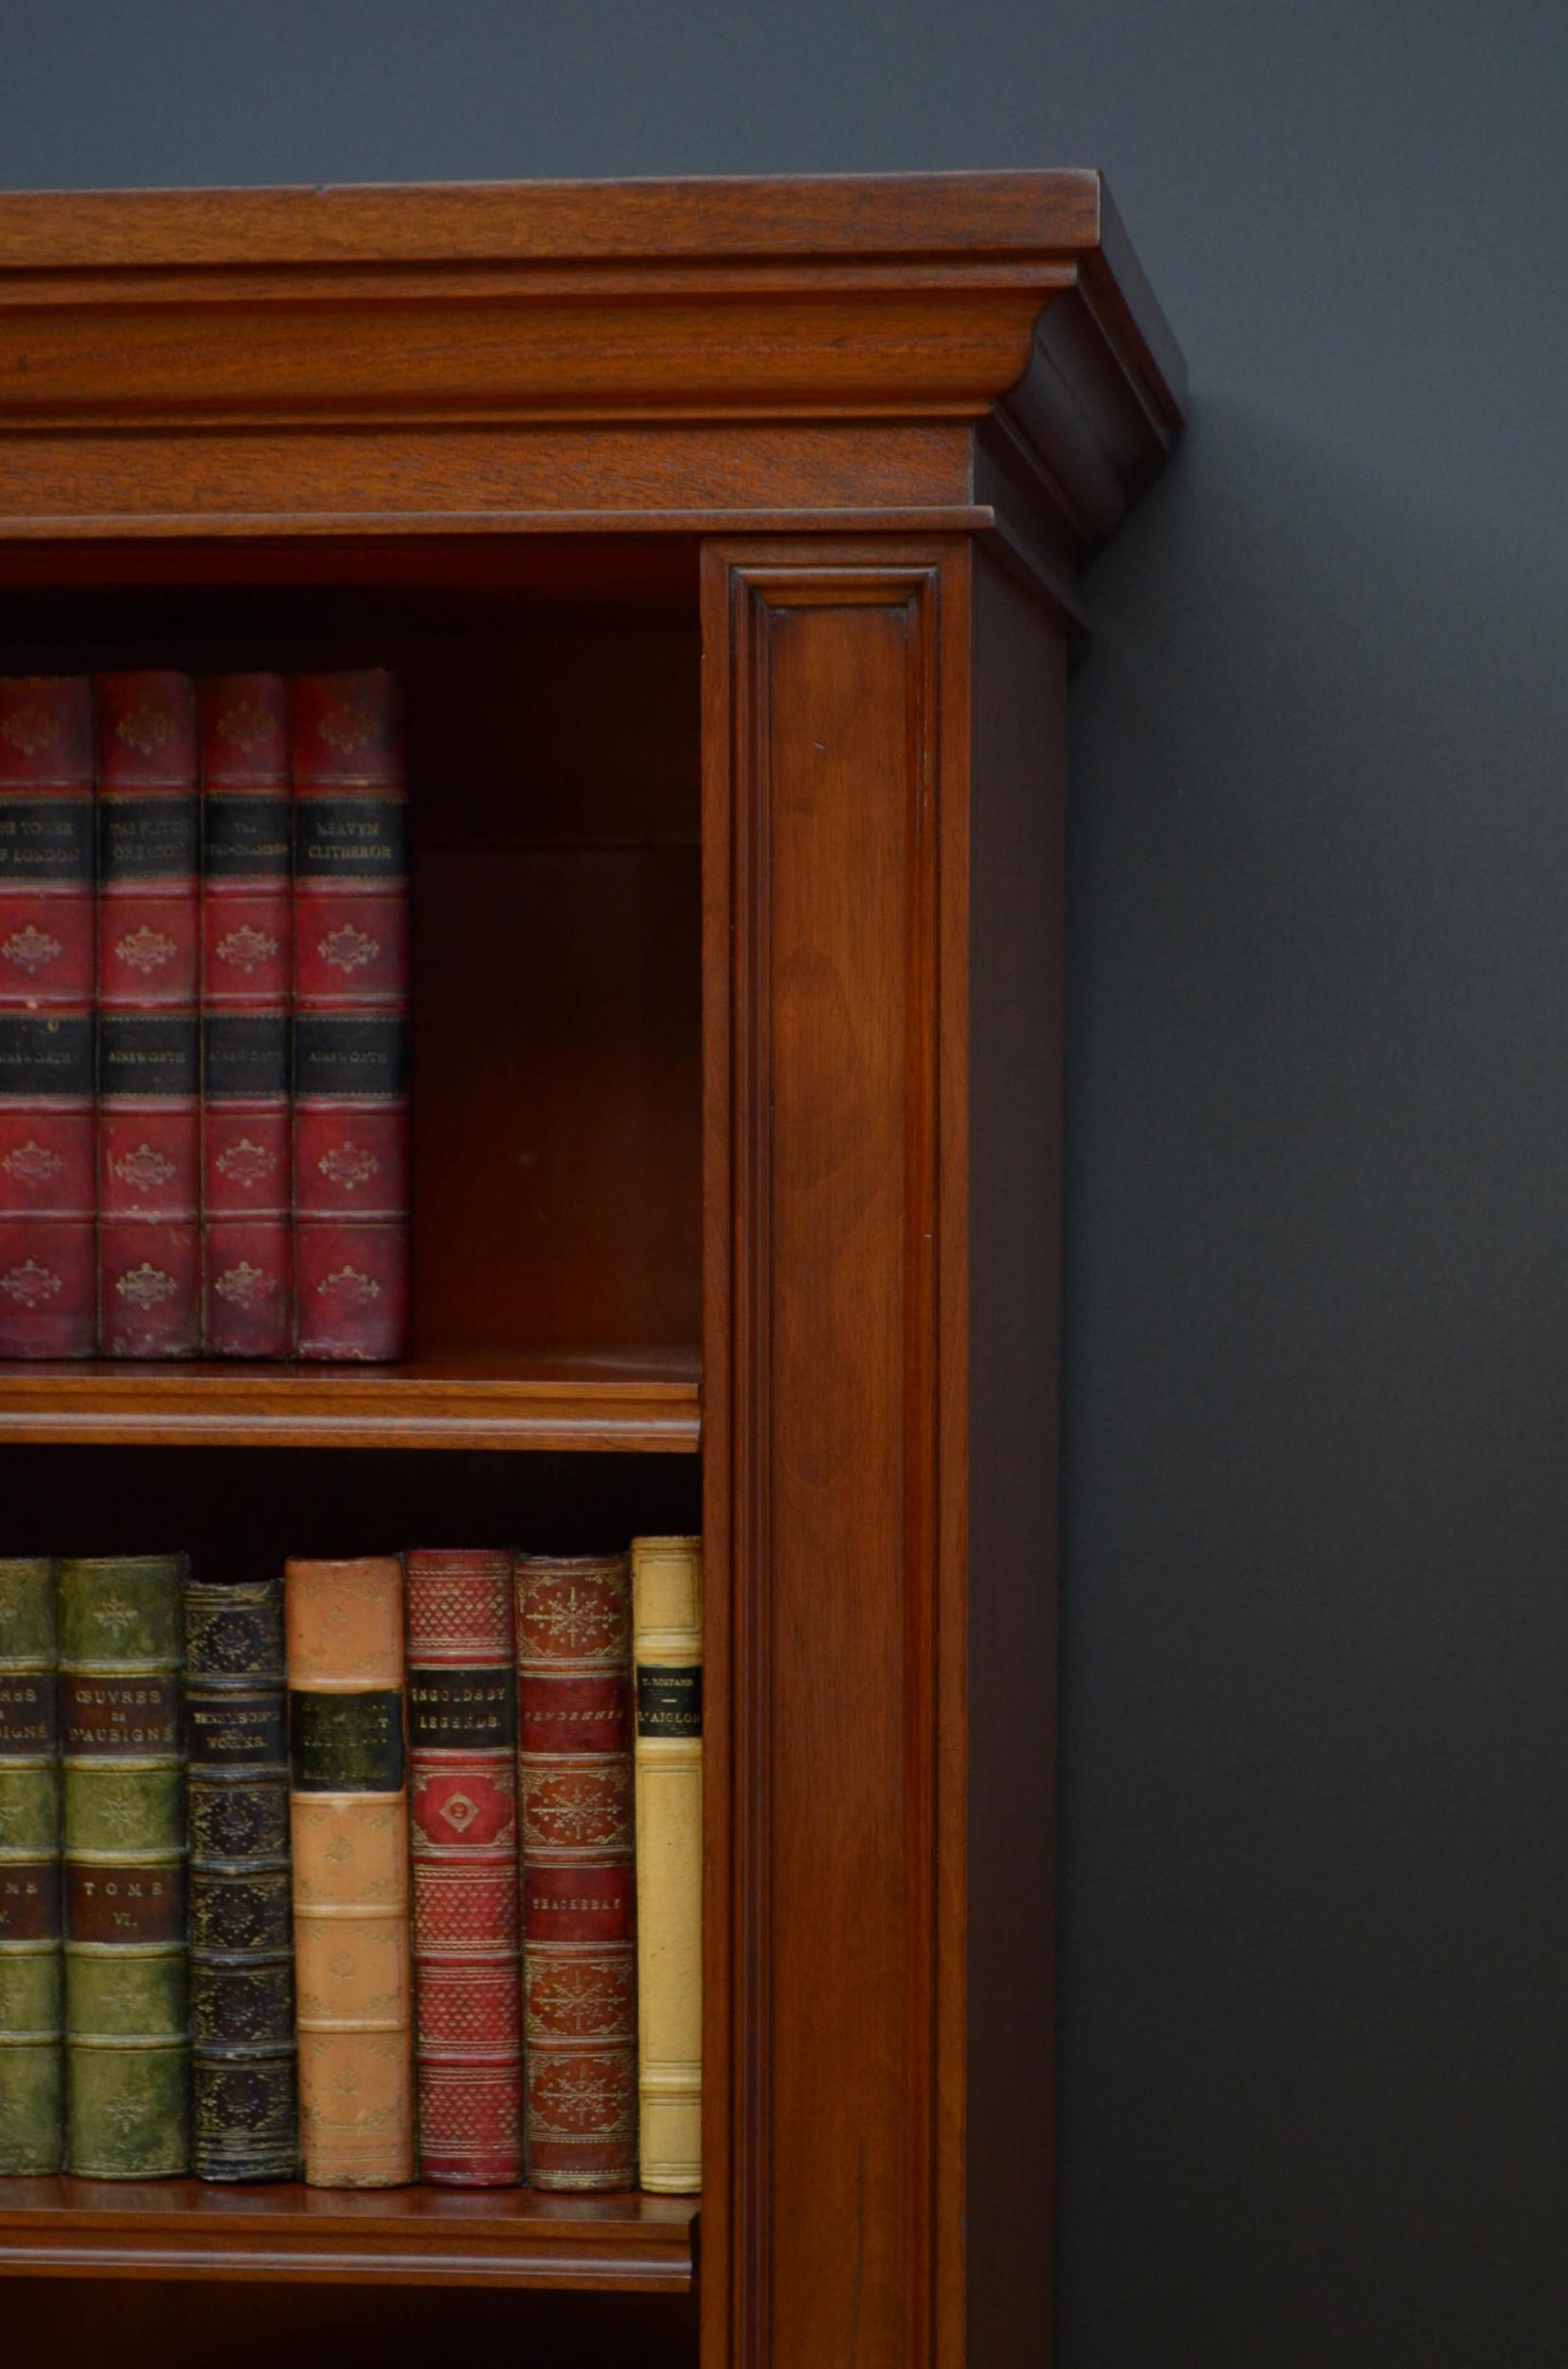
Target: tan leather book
[348, 1811]
[667, 1669]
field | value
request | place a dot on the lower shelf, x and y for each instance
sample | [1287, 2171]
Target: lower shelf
[188, 2229]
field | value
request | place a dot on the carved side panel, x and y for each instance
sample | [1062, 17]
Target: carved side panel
[836, 738]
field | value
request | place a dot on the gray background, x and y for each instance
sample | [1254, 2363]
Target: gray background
[1315, 1948]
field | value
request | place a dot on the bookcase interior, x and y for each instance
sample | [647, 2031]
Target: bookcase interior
[554, 750]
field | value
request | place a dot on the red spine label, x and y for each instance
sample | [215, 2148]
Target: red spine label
[464, 1811]
[246, 962]
[47, 1280]
[350, 996]
[576, 1808]
[148, 913]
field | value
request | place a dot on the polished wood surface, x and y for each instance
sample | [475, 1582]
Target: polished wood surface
[737, 1022]
[401, 2236]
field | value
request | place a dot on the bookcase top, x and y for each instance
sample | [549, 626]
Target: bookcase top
[921, 298]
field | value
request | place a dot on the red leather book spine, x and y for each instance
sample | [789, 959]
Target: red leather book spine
[148, 1290]
[576, 1807]
[247, 918]
[47, 1264]
[351, 1029]
[463, 1766]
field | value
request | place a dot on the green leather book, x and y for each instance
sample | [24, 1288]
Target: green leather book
[127, 2053]
[31, 2063]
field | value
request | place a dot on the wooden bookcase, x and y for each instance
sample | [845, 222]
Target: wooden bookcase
[728, 534]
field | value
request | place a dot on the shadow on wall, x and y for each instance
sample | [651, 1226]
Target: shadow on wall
[1317, 1407]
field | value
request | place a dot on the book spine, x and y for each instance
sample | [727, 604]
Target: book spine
[48, 1305]
[148, 1050]
[127, 2035]
[32, 2109]
[247, 960]
[348, 1809]
[667, 1677]
[575, 1808]
[243, 2119]
[462, 1768]
[351, 994]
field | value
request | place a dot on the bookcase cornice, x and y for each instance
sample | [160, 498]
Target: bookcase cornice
[718, 352]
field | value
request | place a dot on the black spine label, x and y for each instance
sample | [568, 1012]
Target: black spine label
[246, 1055]
[333, 1056]
[235, 1727]
[30, 1714]
[669, 1701]
[358, 840]
[46, 1056]
[45, 839]
[455, 1710]
[148, 837]
[139, 1053]
[346, 1743]
[247, 839]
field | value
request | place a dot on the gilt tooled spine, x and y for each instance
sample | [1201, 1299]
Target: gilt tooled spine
[48, 1278]
[33, 2111]
[349, 1810]
[148, 1033]
[127, 2035]
[575, 1807]
[462, 1762]
[667, 1675]
[248, 921]
[245, 2124]
[352, 1014]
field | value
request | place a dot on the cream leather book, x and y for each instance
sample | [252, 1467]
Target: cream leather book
[667, 1669]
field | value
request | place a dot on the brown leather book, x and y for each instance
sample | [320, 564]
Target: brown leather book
[575, 1807]
[349, 1810]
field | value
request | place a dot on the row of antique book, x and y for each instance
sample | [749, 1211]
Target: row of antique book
[204, 1016]
[387, 1870]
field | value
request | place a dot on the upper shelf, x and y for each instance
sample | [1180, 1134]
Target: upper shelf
[606, 1398]
[922, 351]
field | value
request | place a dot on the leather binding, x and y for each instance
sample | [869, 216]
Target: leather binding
[351, 987]
[48, 1305]
[462, 1761]
[575, 1805]
[349, 1808]
[127, 2044]
[148, 1049]
[243, 2118]
[667, 1677]
[248, 917]
[33, 2111]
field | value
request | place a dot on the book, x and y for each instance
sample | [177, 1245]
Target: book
[575, 1809]
[667, 1674]
[350, 1037]
[33, 2109]
[247, 922]
[148, 1030]
[348, 1813]
[463, 1771]
[48, 1280]
[127, 2043]
[243, 2119]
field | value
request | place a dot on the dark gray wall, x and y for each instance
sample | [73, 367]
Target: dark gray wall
[1316, 1752]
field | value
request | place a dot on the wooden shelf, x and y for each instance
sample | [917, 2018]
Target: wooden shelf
[641, 1399]
[66, 2228]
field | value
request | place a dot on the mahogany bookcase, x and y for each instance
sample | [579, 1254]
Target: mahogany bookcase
[728, 534]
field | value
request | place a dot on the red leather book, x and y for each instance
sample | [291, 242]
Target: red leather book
[576, 1807]
[47, 1266]
[248, 919]
[463, 1771]
[147, 907]
[350, 1031]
